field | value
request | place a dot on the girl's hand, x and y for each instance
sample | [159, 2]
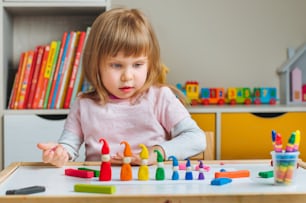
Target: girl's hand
[54, 154]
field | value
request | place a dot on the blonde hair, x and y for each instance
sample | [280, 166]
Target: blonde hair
[120, 30]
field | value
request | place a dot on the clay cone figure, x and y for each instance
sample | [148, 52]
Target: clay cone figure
[175, 168]
[160, 171]
[143, 171]
[201, 171]
[126, 168]
[188, 174]
[105, 168]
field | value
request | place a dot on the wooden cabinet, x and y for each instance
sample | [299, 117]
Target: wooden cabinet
[248, 135]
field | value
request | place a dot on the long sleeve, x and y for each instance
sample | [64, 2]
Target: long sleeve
[187, 140]
[71, 143]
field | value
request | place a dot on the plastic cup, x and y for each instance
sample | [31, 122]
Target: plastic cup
[285, 165]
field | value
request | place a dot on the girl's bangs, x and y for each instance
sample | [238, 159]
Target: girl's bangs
[131, 44]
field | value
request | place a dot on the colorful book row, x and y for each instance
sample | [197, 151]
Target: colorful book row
[50, 76]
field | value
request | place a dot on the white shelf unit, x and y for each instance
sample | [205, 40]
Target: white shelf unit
[25, 24]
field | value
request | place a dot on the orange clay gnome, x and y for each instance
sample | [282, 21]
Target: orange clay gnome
[143, 171]
[105, 168]
[126, 169]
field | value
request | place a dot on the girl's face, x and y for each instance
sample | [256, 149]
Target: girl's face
[122, 76]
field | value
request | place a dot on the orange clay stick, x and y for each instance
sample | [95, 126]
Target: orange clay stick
[233, 174]
[126, 168]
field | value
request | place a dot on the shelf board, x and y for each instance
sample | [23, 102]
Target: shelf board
[37, 111]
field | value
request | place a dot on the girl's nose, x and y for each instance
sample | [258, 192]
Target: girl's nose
[126, 75]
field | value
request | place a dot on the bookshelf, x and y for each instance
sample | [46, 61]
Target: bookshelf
[26, 24]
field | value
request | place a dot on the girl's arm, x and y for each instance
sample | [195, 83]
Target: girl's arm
[71, 143]
[187, 140]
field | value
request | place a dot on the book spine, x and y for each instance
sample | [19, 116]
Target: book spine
[80, 76]
[24, 64]
[61, 66]
[74, 70]
[39, 87]
[25, 80]
[58, 44]
[47, 74]
[30, 78]
[16, 82]
[36, 73]
[56, 72]
[67, 69]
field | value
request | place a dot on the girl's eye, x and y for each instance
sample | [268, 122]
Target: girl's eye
[116, 65]
[136, 65]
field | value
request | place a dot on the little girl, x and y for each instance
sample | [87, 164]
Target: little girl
[129, 101]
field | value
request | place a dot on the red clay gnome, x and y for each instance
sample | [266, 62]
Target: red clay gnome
[105, 169]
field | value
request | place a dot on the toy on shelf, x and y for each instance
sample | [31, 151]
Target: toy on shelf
[233, 95]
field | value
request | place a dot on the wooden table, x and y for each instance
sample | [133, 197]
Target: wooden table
[59, 188]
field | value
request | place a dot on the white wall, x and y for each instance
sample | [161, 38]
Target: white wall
[225, 42]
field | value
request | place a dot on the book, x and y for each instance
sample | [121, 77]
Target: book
[60, 65]
[25, 80]
[47, 74]
[75, 67]
[66, 71]
[19, 85]
[56, 71]
[27, 95]
[16, 82]
[38, 91]
[40, 51]
[80, 75]
[54, 63]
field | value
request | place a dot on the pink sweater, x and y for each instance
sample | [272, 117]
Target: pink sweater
[148, 122]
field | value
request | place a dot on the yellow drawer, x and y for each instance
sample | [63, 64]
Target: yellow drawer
[248, 136]
[207, 122]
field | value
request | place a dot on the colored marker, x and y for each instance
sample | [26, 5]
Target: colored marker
[297, 141]
[26, 190]
[290, 144]
[104, 189]
[278, 143]
[273, 137]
